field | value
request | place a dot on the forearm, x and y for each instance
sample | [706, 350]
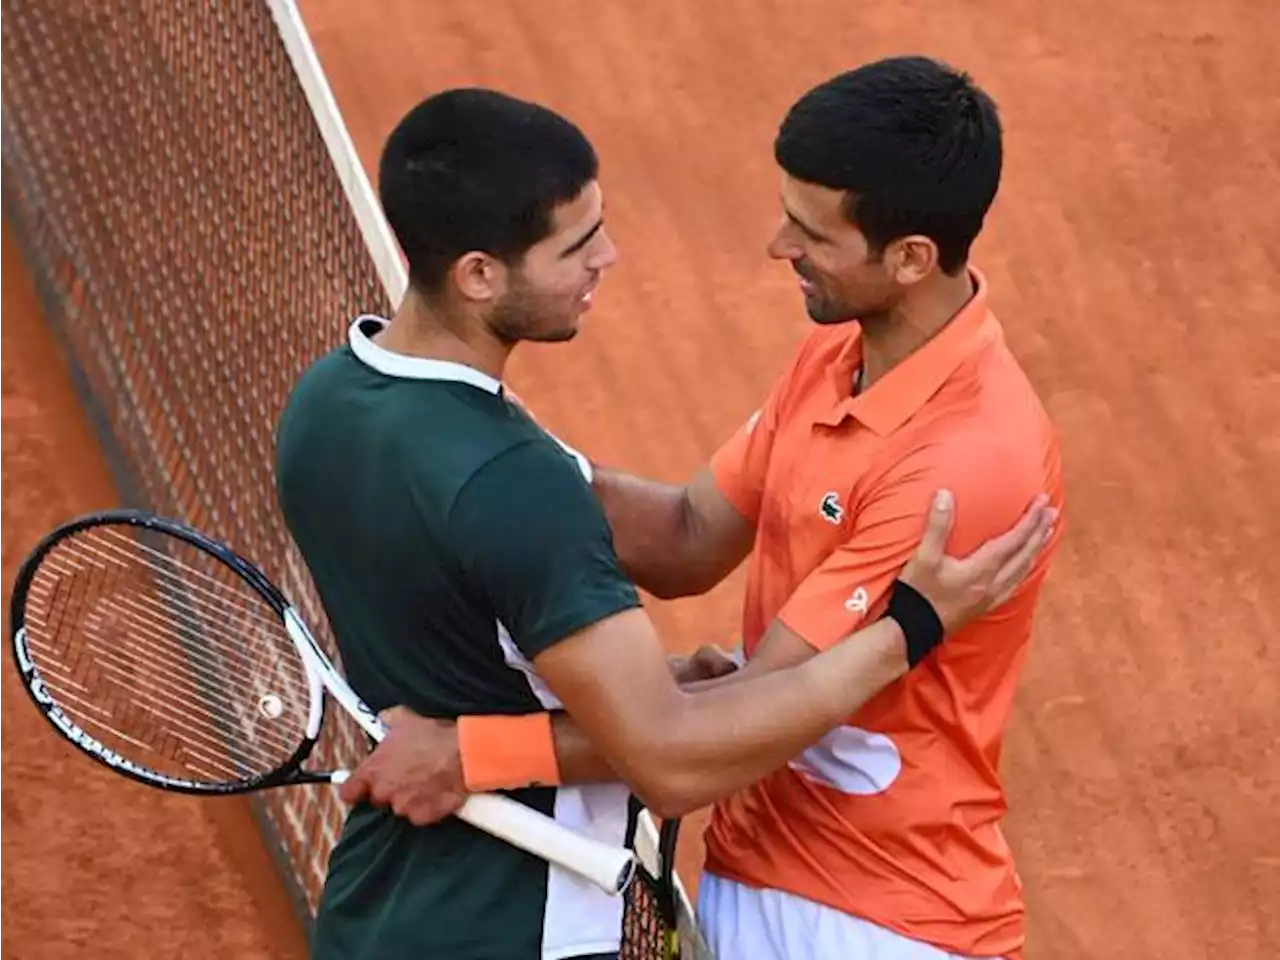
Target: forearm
[650, 525]
[731, 732]
[578, 759]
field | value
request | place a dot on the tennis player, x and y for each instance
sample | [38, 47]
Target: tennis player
[467, 568]
[882, 839]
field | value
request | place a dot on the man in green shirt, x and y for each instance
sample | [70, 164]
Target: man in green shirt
[467, 567]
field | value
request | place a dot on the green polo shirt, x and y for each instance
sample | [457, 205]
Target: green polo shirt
[451, 540]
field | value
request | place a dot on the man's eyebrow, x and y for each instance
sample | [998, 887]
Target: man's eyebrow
[583, 240]
[804, 227]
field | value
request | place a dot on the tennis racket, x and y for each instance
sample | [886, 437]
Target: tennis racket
[170, 659]
[658, 922]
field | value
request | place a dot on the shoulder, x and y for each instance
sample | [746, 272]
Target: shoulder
[304, 417]
[326, 372]
[525, 479]
[987, 423]
[993, 477]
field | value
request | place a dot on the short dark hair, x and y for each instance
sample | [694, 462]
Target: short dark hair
[916, 144]
[475, 169]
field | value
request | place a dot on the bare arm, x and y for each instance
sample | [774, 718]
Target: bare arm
[628, 720]
[577, 757]
[673, 541]
[679, 750]
[579, 760]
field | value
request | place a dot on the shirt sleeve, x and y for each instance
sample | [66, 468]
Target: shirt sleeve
[742, 463]
[532, 538]
[993, 484]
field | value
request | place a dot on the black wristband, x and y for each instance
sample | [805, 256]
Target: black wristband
[917, 618]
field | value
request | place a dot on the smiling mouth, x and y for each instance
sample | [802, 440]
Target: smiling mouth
[806, 282]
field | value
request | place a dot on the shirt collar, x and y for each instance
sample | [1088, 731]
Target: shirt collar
[360, 337]
[892, 399]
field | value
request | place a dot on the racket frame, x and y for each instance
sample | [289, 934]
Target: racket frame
[656, 850]
[287, 773]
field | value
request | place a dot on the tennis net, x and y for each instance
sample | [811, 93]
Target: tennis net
[199, 229]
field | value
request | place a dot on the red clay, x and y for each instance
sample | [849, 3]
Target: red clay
[1132, 258]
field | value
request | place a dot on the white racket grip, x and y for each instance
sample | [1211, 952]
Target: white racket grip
[609, 867]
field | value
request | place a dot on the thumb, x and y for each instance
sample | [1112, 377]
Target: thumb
[356, 787]
[390, 715]
[937, 528]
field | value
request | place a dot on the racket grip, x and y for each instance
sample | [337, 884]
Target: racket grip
[609, 867]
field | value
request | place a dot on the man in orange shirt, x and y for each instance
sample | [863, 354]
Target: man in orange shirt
[894, 817]
[883, 839]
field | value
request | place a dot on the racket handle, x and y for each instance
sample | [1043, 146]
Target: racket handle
[609, 867]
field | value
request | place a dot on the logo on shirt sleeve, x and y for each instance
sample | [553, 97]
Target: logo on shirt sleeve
[859, 602]
[830, 508]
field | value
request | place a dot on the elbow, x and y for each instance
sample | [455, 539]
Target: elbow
[668, 786]
[669, 796]
[674, 590]
[686, 578]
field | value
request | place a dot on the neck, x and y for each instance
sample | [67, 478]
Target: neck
[889, 339]
[429, 329]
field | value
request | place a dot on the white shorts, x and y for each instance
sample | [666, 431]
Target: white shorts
[743, 923]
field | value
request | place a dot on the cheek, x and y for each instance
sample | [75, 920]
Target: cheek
[562, 293]
[566, 279]
[854, 283]
[833, 272]
[555, 286]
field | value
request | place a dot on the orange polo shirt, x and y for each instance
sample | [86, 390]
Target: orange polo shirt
[893, 817]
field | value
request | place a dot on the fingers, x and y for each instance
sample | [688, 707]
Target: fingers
[425, 814]
[356, 787]
[390, 715]
[713, 662]
[999, 550]
[1014, 570]
[937, 528]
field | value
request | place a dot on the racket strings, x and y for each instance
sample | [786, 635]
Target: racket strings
[148, 638]
[138, 669]
[223, 647]
[163, 695]
[215, 593]
[188, 673]
[645, 934]
[658, 920]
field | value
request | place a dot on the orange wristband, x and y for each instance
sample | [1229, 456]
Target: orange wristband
[505, 752]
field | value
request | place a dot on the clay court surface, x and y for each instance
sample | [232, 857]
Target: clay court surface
[1132, 258]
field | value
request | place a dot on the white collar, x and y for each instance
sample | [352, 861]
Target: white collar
[393, 364]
